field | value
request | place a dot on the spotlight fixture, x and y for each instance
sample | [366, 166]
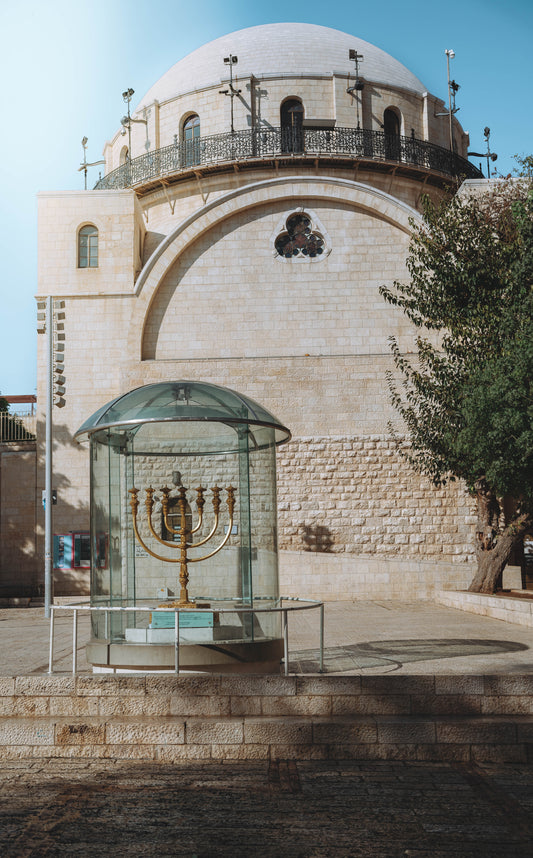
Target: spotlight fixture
[230, 61]
[453, 87]
[490, 156]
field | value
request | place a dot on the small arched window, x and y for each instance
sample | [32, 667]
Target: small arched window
[291, 120]
[124, 155]
[191, 139]
[88, 247]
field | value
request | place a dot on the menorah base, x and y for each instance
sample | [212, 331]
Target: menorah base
[184, 603]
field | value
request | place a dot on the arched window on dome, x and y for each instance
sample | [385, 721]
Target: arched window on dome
[124, 155]
[392, 128]
[291, 121]
[88, 247]
[191, 140]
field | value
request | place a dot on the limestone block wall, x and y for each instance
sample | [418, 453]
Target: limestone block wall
[323, 96]
[306, 338]
[357, 495]
[18, 474]
[173, 718]
[118, 217]
[212, 305]
[165, 209]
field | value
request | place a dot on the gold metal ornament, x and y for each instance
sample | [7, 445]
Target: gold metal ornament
[183, 531]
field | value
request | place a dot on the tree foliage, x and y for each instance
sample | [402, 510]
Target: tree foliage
[466, 398]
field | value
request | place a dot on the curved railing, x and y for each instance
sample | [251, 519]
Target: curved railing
[265, 143]
[277, 608]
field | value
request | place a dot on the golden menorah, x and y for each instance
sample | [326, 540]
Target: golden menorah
[184, 531]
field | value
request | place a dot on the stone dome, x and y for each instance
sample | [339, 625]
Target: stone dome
[271, 49]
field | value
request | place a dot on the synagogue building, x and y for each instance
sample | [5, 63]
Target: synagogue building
[251, 204]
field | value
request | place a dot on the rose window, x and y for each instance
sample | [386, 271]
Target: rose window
[299, 238]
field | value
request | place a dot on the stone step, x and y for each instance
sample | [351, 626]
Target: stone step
[437, 738]
[232, 696]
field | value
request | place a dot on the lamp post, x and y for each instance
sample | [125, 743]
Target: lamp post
[84, 165]
[50, 321]
[359, 84]
[232, 92]
[126, 97]
[490, 156]
[452, 89]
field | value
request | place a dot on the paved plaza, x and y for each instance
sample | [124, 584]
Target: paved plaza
[360, 638]
[276, 810]
[281, 809]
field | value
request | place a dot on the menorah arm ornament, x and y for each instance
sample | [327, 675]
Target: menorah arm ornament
[183, 531]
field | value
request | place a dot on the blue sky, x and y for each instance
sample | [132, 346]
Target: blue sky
[64, 66]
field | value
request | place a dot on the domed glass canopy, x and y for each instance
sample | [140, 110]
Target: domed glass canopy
[183, 514]
[186, 401]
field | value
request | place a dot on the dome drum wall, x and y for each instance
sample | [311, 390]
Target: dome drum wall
[275, 63]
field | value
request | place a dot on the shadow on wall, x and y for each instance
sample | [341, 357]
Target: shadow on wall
[22, 519]
[317, 538]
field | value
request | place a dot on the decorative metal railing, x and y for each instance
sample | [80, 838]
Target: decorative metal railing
[266, 143]
[15, 428]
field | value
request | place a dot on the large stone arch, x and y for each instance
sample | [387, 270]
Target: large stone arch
[359, 196]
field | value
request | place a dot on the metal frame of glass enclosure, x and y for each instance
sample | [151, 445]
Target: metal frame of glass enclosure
[183, 514]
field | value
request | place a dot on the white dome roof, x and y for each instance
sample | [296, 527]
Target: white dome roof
[273, 48]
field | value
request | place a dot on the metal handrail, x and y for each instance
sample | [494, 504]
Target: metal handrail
[310, 604]
[268, 142]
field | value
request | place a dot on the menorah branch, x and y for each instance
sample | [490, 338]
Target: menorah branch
[184, 532]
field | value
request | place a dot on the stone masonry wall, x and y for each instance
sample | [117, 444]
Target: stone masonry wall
[359, 496]
[18, 567]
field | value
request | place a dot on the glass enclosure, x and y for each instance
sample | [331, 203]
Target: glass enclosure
[183, 514]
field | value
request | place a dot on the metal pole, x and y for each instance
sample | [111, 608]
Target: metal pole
[75, 643]
[286, 642]
[51, 651]
[450, 101]
[177, 642]
[321, 666]
[48, 548]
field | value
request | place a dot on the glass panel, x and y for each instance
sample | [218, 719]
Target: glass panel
[230, 524]
[88, 247]
[193, 401]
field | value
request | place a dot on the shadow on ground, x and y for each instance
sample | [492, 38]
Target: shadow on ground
[395, 653]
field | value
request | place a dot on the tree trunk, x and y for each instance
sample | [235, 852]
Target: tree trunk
[494, 546]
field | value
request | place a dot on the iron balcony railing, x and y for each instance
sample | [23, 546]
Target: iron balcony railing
[267, 143]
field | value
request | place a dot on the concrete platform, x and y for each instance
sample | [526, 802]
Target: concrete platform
[408, 681]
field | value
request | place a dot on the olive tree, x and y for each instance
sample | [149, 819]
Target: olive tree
[466, 396]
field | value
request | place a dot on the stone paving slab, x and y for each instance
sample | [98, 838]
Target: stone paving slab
[242, 809]
[363, 638]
